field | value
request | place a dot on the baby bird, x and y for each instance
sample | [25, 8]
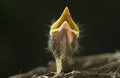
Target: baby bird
[63, 41]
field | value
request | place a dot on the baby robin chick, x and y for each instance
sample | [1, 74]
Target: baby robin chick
[63, 41]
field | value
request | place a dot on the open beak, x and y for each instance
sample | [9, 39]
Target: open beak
[65, 26]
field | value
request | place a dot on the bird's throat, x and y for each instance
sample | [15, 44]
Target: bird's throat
[64, 31]
[63, 39]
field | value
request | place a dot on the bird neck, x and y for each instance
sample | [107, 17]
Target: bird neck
[63, 64]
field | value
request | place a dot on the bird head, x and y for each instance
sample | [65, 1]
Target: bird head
[64, 34]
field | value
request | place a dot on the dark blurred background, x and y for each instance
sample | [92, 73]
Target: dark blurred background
[24, 25]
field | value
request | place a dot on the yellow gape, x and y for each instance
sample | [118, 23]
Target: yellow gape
[66, 16]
